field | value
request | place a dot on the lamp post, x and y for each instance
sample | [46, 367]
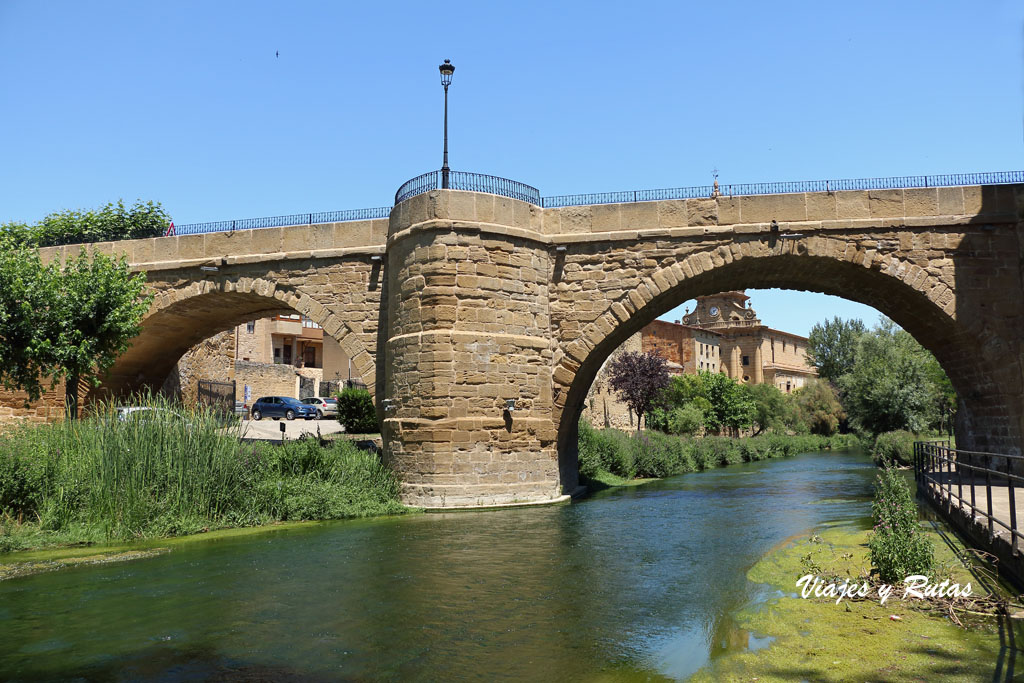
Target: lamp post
[446, 70]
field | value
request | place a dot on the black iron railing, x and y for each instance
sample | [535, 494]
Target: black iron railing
[892, 183]
[956, 479]
[282, 221]
[471, 182]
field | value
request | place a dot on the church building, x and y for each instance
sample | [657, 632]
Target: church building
[722, 334]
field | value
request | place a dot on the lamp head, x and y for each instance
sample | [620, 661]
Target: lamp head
[446, 70]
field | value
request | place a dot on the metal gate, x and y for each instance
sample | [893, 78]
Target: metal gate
[219, 396]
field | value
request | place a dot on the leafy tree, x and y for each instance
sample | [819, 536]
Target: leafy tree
[108, 223]
[97, 311]
[637, 378]
[819, 407]
[26, 292]
[771, 409]
[67, 322]
[723, 402]
[832, 346]
[889, 388]
[731, 403]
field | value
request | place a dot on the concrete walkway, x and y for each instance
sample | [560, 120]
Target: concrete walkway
[269, 429]
[1000, 501]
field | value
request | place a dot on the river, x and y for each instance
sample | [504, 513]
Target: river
[630, 584]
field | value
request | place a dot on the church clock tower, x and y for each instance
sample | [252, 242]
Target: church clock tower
[718, 311]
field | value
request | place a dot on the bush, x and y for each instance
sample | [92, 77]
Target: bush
[898, 548]
[356, 412]
[895, 447]
[686, 420]
[653, 454]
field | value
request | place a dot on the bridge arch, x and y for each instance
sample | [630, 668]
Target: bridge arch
[922, 300]
[182, 316]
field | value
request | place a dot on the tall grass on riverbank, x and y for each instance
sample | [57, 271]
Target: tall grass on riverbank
[167, 473]
[653, 454]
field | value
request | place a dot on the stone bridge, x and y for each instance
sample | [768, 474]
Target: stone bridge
[462, 301]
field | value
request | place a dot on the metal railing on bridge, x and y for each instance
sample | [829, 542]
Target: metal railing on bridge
[731, 190]
[471, 182]
[957, 480]
[284, 221]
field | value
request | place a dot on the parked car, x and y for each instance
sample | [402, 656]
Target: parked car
[241, 410]
[325, 407]
[282, 406]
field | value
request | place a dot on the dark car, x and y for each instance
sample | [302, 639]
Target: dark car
[282, 406]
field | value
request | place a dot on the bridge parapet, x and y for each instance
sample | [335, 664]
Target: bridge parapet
[322, 240]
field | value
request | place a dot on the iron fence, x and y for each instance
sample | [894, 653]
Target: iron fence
[891, 183]
[943, 474]
[284, 221]
[219, 396]
[471, 182]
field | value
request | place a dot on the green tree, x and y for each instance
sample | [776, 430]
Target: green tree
[97, 311]
[889, 388]
[731, 403]
[819, 407]
[112, 222]
[832, 346]
[771, 409]
[27, 290]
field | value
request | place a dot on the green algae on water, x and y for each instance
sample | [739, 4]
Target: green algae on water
[816, 639]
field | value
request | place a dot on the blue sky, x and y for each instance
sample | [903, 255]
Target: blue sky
[187, 103]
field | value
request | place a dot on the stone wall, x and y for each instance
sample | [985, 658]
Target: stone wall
[48, 408]
[210, 359]
[603, 407]
[265, 379]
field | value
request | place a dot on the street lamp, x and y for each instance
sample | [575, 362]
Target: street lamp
[446, 70]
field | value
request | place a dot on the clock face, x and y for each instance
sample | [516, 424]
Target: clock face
[714, 310]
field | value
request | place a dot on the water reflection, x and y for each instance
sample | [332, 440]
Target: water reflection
[630, 584]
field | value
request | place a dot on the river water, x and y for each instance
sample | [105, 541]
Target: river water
[629, 584]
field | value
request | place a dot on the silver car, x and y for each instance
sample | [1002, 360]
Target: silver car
[325, 407]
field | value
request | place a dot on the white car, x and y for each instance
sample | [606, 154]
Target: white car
[325, 407]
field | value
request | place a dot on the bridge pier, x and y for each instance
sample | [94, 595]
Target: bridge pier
[468, 332]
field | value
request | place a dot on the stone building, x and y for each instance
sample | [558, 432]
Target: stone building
[284, 355]
[722, 334]
[751, 352]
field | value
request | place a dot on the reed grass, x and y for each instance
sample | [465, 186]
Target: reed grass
[169, 471]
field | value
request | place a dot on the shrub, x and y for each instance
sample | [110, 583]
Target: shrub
[686, 420]
[356, 411]
[895, 447]
[898, 548]
[653, 454]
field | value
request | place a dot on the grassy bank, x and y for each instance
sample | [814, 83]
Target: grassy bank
[102, 479]
[816, 639]
[653, 454]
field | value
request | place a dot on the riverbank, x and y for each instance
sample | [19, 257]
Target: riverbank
[609, 457]
[104, 480]
[816, 639]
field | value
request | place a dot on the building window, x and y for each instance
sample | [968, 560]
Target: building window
[250, 326]
[277, 354]
[746, 360]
